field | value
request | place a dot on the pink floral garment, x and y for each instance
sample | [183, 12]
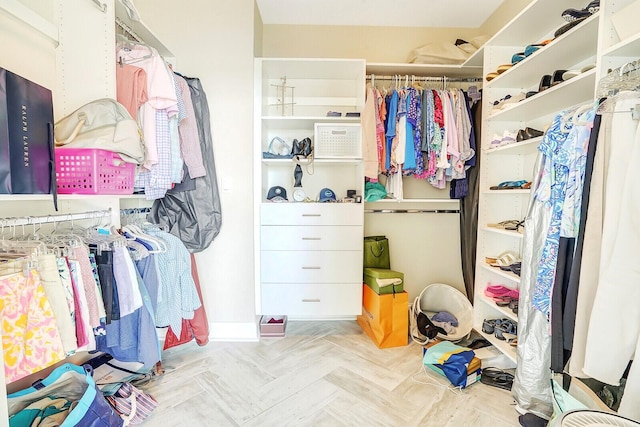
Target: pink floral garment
[30, 336]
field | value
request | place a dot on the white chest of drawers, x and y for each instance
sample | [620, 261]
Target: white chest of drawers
[311, 259]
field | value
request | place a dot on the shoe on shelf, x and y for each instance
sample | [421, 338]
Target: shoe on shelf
[491, 76]
[575, 73]
[566, 27]
[517, 57]
[509, 100]
[570, 15]
[510, 224]
[502, 68]
[500, 291]
[545, 82]
[511, 185]
[506, 138]
[556, 78]
[528, 133]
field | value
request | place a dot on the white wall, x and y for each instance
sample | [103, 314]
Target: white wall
[214, 41]
[375, 44]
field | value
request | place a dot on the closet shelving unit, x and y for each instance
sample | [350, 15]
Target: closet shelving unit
[308, 255]
[21, 204]
[614, 52]
[575, 48]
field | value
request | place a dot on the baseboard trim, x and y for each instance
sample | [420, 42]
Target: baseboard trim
[227, 331]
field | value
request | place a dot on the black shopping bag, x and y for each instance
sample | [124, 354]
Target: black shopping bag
[27, 164]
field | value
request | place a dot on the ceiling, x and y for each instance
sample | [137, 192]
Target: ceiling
[386, 13]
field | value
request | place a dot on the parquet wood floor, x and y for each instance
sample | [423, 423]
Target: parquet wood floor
[320, 374]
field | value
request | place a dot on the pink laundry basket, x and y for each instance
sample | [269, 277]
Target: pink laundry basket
[93, 171]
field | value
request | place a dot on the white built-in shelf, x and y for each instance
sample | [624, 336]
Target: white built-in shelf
[528, 146]
[506, 311]
[539, 20]
[505, 348]
[131, 196]
[304, 122]
[475, 59]
[505, 274]
[578, 90]
[626, 48]
[22, 13]
[423, 70]
[434, 200]
[312, 69]
[503, 192]
[503, 232]
[563, 53]
[141, 30]
[38, 197]
[281, 119]
[285, 162]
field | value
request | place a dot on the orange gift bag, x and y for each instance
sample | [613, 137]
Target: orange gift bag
[385, 318]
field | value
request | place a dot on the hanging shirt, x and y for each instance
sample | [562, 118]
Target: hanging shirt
[179, 298]
[86, 338]
[409, 150]
[158, 180]
[131, 87]
[188, 131]
[391, 128]
[381, 114]
[93, 294]
[400, 141]
[160, 92]
[30, 337]
[369, 144]
[129, 297]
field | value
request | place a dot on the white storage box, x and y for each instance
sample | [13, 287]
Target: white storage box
[337, 141]
[625, 21]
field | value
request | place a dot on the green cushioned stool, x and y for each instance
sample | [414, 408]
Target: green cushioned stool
[384, 281]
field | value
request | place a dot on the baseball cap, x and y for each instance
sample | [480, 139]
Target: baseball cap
[277, 194]
[327, 195]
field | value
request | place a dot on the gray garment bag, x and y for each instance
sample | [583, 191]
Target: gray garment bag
[194, 216]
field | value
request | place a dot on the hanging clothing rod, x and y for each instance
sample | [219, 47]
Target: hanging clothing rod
[424, 78]
[436, 211]
[127, 29]
[49, 219]
[134, 211]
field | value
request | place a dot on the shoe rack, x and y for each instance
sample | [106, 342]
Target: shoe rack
[515, 161]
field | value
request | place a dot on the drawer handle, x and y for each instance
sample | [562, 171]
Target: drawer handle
[311, 268]
[312, 238]
[311, 300]
[311, 214]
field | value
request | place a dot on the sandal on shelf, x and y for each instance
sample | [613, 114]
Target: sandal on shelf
[489, 325]
[510, 224]
[497, 378]
[505, 301]
[500, 291]
[505, 327]
[478, 344]
[514, 268]
[509, 338]
[503, 259]
[509, 185]
[513, 305]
